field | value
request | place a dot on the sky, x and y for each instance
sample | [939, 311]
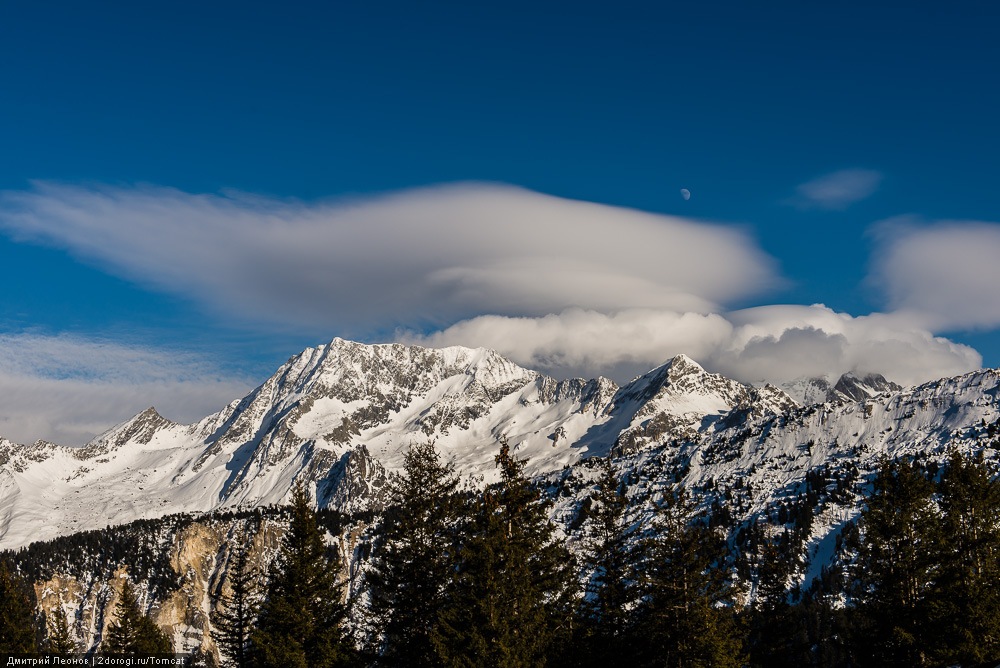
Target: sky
[191, 193]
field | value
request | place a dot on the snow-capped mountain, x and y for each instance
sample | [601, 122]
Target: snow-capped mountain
[341, 415]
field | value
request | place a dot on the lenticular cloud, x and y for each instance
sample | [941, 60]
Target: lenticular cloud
[569, 287]
[426, 257]
[837, 190]
[944, 274]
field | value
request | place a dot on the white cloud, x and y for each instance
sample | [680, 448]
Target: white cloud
[774, 343]
[784, 342]
[69, 389]
[945, 274]
[837, 190]
[588, 343]
[430, 256]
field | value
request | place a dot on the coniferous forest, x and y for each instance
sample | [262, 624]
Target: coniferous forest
[460, 576]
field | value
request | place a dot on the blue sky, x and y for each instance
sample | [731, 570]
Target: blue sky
[843, 155]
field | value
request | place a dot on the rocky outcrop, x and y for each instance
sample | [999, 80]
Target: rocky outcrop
[201, 556]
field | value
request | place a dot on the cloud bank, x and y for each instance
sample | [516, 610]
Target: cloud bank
[68, 389]
[838, 190]
[773, 343]
[417, 258]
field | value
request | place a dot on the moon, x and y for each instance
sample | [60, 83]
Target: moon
[686, 194]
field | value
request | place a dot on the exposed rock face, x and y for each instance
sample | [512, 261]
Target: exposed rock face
[680, 400]
[848, 387]
[200, 556]
[853, 388]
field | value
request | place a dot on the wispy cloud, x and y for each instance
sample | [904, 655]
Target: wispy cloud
[838, 190]
[945, 273]
[417, 258]
[773, 343]
[68, 389]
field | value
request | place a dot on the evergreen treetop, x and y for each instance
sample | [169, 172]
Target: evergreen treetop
[234, 621]
[898, 563]
[17, 624]
[301, 621]
[58, 641]
[608, 611]
[513, 597]
[132, 632]
[687, 616]
[965, 600]
[414, 558]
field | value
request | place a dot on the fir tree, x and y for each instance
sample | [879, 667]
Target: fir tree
[234, 622]
[58, 641]
[608, 609]
[414, 559]
[17, 625]
[897, 565]
[132, 632]
[775, 625]
[301, 622]
[512, 602]
[965, 604]
[687, 617]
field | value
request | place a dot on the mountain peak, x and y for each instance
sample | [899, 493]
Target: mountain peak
[850, 386]
[856, 387]
[680, 365]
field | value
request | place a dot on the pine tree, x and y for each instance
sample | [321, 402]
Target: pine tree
[414, 559]
[607, 612]
[234, 622]
[687, 617]
[17, 626]
[301, 622]
[132, 632]
[965, 603]
[897, 565]
[512, 602]
[775, 628]
[58, 641]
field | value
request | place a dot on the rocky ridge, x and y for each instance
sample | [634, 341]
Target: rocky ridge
[339, 416]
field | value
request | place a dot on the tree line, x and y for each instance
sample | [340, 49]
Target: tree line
[466, 577]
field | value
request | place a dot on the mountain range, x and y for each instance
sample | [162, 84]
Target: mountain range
[342, 414]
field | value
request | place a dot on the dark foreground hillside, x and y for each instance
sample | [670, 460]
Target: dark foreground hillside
[450, 575]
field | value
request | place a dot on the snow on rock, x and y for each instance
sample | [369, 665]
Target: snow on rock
[848, 387]
[341, 416]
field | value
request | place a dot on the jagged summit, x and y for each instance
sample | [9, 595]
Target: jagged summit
[681, 373]
[858, 388]
[679, 399]
[682, 364]
[851, 386]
